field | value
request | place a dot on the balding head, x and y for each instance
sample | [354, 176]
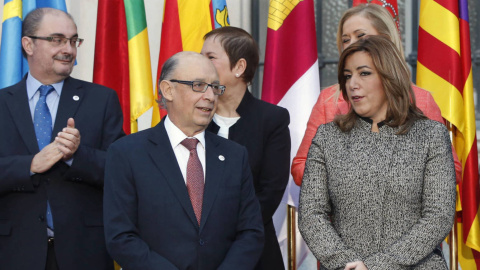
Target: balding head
[173, 64]
[189, 110]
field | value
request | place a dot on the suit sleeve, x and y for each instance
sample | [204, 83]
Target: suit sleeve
[120, 217]
[318, 117]
[248, 245]
[15, 174]
[88, 162]
[315, 209]
[274, 175]
[438, 209]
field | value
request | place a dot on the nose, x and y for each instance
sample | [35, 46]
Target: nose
[352, 83]
[350, 42]
[68, 47]
[209, 95]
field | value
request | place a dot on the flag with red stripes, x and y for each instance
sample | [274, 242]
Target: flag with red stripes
[445, 69]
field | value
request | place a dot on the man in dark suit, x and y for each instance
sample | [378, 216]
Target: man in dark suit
[51, 178]
[157, 213]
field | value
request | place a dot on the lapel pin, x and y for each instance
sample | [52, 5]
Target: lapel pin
[222, 158]
[76, 98]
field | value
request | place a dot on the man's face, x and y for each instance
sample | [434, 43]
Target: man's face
[50, 63]
[192, 111]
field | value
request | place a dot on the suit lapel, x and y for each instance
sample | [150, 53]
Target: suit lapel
[215, 165]
[164, 157]
[237, 131]
[70, 99]
[20, 111]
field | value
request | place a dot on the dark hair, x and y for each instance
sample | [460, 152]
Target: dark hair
[32, 21]
[238, 44]
[168, 68]
[393, 71]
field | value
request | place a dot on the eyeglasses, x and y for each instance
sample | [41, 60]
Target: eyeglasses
[60, 41]
[202, 87]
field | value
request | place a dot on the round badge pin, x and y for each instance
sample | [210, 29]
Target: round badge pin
[76, 98]
[222, 158]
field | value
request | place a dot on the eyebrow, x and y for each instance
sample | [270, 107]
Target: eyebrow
[364, 66]
[358, 68]
[358, 30]
[62, 35]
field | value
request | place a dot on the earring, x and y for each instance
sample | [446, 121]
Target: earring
[237, 75]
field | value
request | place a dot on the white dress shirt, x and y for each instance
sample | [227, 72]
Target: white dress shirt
[53, 98]
[176, 136]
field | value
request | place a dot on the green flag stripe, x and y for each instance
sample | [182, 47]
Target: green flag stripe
[136, 20]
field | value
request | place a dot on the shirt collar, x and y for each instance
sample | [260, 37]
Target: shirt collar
[176, 136]
[33, 85]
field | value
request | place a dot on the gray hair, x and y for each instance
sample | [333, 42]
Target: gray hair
[168, 69]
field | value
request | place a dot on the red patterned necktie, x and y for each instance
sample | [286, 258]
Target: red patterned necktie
[195, 182]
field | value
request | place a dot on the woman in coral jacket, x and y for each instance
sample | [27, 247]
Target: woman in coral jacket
[356, 23]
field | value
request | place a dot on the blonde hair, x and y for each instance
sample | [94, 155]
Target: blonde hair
[381, 20]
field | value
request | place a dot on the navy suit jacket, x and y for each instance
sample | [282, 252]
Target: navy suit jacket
[263, 130]
[149, 220]
[74, 193]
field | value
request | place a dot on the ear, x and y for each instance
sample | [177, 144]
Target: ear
[27, 44]
[166, 87]
[240, 66]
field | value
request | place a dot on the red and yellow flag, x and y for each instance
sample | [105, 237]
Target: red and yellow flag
[445, 69]
[185, 22]
[122, 58]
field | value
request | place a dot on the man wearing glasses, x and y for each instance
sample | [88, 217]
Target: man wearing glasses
[177, 197]
[53, 142]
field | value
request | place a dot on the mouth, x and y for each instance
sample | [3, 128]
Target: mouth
[357, 98]
[205, 109]
[64, 59]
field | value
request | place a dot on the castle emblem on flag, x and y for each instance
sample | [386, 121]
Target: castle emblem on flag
[278, 12]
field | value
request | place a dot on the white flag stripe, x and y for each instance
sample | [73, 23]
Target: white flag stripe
[299, 101]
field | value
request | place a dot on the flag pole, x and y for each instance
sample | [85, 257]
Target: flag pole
[453, 247]
[291, 238]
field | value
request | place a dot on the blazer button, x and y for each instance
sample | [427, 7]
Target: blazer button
[202, 243]
[41, 218]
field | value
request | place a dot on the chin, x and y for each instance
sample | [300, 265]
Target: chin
[65, 73]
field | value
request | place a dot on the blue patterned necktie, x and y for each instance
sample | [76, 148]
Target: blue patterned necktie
[42, 120]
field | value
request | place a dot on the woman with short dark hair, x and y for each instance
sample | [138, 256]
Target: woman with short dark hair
[259, 126]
